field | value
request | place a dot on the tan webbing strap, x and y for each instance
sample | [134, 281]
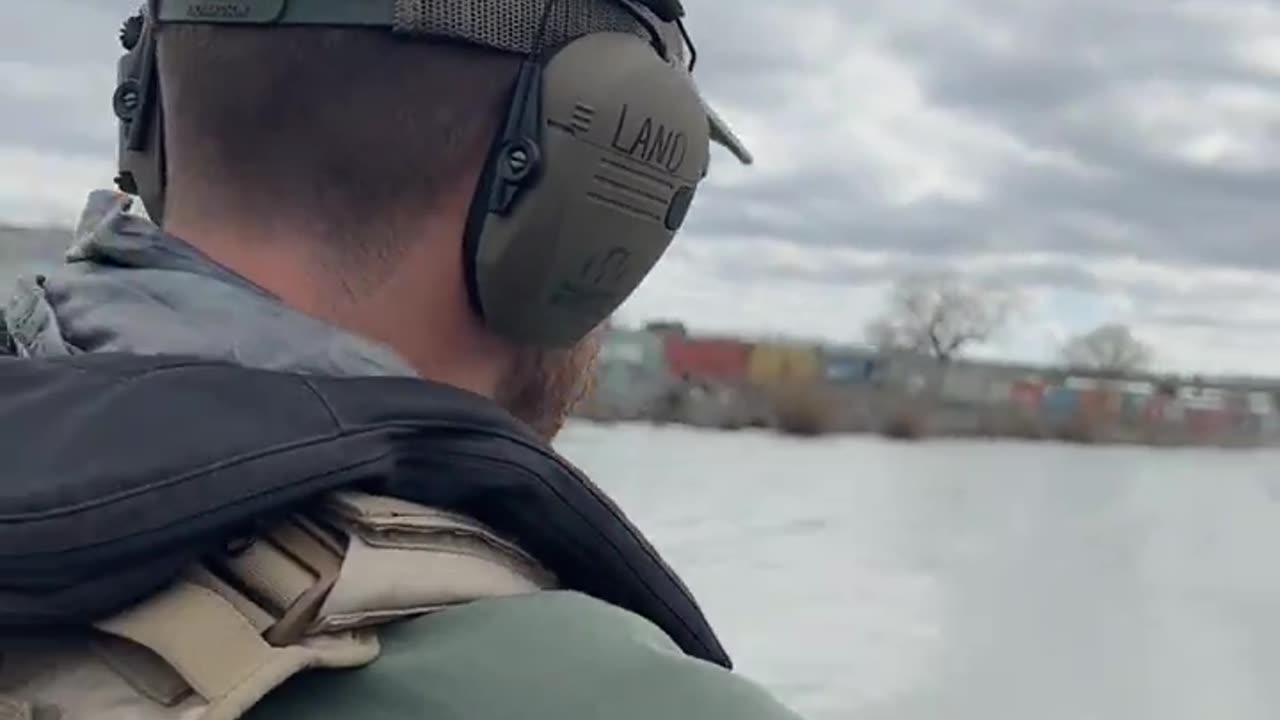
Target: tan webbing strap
[200, 634]
[306, 544]
[211, 645]
[288, 571]
[259, 618]
[146, 672]
[300, 595]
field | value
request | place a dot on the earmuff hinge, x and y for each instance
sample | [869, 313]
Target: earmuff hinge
[519, 156]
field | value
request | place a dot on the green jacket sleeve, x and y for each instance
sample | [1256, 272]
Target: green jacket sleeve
[547, 656]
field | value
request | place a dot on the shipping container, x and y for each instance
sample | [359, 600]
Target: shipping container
[1157, 409]
[1082, 384]
[630, 376]
[1140, 388]
[1270, 427]
[632, 348]
[967, 386]
[775, 364]
[1240, 416]
[1060, 404]
[1112, 403]
[903, 371]
[848, 368]
[1134, 407]
[1174, 411]
[706, 359]
[1246, 426]
[1198, 398]
[999, 391]
[1095, 404]
[1205, 423]
[1027, 394]
[1262, 403]
[1090, 399]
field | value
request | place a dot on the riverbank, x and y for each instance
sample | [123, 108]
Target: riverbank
[816, 409]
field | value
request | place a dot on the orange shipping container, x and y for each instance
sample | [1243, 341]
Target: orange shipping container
[707, 359]
[1093, 404]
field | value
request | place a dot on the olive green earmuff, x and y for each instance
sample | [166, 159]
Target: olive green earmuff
[136, 103]
[584, 188]
[583, 195]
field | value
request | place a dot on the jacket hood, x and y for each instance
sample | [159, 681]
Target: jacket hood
[127, 286]
[159, 406]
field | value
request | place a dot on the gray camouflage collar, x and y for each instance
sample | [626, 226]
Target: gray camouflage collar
[127, 286]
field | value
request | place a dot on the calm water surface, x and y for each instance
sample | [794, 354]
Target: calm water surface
[864, 579]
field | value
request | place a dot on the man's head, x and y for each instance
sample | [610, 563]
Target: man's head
[335, 167]
[358, 172]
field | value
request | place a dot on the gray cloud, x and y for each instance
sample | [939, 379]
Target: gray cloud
[1208, 321]
[57, 32]
[1049, 89]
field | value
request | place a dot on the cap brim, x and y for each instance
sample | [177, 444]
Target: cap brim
[723, 135]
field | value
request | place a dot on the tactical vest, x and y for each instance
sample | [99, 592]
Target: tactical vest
[179, 537]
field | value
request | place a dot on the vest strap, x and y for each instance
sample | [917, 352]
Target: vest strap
[308, 592]
[219, 653]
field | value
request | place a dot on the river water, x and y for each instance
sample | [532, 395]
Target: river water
[859, 578]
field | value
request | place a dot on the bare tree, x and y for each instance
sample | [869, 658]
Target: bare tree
[938, 315]
[1110, 349]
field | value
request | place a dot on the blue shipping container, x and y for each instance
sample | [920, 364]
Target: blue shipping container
[1060, 403]
[849, 369]
[1135, 406]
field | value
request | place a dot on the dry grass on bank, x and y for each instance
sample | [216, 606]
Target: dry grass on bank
[1082, 429]
[906, 425]
[802, 409]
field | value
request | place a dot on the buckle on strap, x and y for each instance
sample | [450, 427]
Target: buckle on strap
[287, 572]
[219, 652]
[303, 593]
[236, 626]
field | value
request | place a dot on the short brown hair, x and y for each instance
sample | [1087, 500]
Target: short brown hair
[351, 131]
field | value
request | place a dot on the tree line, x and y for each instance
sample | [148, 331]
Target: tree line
[941, 316]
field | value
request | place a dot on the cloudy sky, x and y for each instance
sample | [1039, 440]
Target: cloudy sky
[1108, 160]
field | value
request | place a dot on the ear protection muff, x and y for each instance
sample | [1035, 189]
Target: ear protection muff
[137, 106]
[585, 187]
[587, 181]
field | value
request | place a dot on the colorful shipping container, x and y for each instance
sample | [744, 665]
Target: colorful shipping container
[710, 360]
[772, 364]
[1136, 407]
[1060, 404]
[638, 368]
[632, 347]
[1205, 423]
[631, 373]
[1158, 410]
[1027, 394]
[849, 368]
[1199, 398]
